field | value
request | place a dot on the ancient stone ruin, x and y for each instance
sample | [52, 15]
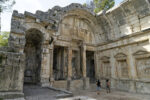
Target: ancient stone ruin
[71, 47]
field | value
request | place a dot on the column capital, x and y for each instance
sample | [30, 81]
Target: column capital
[69, 48]
[83, 46]
[51, 46]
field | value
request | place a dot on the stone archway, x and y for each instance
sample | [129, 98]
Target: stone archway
[33, 50]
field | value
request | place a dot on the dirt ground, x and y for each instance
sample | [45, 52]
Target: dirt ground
[114, 95]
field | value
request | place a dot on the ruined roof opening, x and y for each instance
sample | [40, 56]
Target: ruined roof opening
[34, 37]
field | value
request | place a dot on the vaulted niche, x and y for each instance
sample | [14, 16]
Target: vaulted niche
[33, 51]
[90, 66]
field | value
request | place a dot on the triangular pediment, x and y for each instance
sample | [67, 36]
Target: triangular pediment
[105, 58]
[120, 55]
[140, 52]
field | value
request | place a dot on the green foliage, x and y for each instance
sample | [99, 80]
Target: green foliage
[4, 39]
[84, 4]
[103, 5]
[6, 5]
[1, 98]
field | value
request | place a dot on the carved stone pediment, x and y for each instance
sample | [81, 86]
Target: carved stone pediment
[120, 55]
[105, 58]
[140, 52]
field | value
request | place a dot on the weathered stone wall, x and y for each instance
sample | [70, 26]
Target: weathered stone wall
[126, 19]
[11, 71]
[128, 32]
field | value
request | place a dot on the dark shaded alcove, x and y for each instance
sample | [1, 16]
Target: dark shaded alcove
[33, 49]
[60, 63]
[90, 66]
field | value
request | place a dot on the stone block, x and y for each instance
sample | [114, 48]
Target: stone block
[76, 85]
[62, 84]
[86, 83]
[143, 87]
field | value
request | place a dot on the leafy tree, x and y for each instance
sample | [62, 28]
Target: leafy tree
[5, 5]
[4, 39]
[103, 5]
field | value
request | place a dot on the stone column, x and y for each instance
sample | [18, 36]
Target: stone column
[113, 71]
[83, 55]
[51, 50]
[69, 68]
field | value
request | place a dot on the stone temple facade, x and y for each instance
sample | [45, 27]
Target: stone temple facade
[72, 47]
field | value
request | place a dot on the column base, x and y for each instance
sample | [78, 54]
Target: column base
[45, 82]
[51, 81]
[86, 83]
[68, 83]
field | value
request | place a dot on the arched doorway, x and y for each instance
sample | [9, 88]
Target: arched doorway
[32, 50]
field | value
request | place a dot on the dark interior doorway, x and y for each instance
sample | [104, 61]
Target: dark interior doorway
[60, 63]
[33, 49]
[90, 66]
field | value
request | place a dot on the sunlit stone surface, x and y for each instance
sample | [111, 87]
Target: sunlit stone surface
[71, 47]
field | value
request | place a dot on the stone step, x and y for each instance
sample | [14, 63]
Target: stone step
[11, 95]
[64, 95]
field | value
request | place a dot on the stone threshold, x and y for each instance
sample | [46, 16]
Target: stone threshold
[11, 96]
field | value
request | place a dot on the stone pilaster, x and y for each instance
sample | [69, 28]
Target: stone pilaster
[45, 69]
[51, 49]
[113, 71]
[132, 71]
